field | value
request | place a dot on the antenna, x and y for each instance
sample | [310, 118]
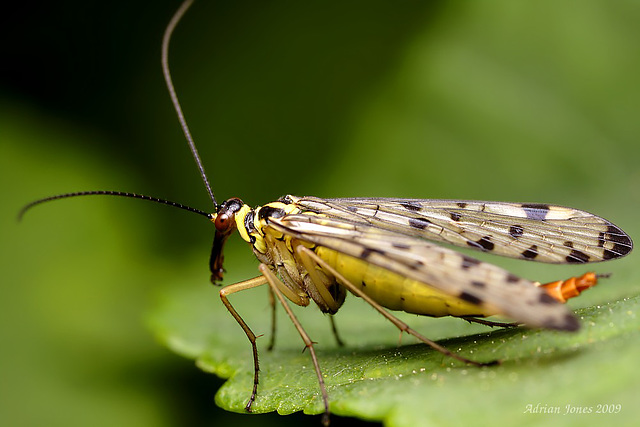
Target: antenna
[183, 123]
[113, 193]
[174, 98]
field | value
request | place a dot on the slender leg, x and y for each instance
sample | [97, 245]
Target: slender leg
[334, 329]
[272, 304]
[305, 252]
[272, 280]
[231, 289]
[491, 323]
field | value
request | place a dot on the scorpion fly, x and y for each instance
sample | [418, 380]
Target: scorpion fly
[386, 251]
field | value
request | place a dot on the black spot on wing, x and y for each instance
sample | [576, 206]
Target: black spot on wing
[455, 216]
[568, 244]
[419, 223]
[465, 296]
[400, 245]
[411, 206]
[416, 265]
[577, 257]
[512, 278]
[516, 231]
[484, 244]
[571, 323]
[622, 244]
[461, 205]
[536, 211]
[617, 252]
[547, 299]
[478, 284]
[468, 262]
[531, 252]
[566, 323]
[366, 252]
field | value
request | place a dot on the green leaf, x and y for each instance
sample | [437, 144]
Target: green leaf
[373, 378]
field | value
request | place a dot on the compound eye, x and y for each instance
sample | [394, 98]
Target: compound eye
[223, 222]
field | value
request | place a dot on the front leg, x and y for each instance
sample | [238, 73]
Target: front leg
[277, 286]
[231, 289]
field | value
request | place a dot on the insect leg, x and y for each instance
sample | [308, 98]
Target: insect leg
[305, 252]
[231, 289]
[490, 323]
[334, 329]
[272, 304]
[273, 283]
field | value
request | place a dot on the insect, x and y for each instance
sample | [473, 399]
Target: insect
[388, 252]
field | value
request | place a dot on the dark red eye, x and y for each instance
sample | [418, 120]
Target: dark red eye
[223, 222]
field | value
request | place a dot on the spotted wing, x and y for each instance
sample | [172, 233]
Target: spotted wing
[537, 232]
[451, 272]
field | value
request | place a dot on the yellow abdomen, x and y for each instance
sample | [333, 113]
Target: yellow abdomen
[396, 292]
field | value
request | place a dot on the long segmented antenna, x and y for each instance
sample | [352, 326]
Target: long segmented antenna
[112, 193]
[174, 98]
[183, 123]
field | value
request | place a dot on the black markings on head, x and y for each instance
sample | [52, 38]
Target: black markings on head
[232, 205]
[547, 299]
[465, 296]
[270, 212]
[531, 253]
[468, 262]
[248, 222]
[419, 223]
[411, 206]
[516, 231]
[484, 244]
[286, 199]
[577, 257]
[536, 211]
[478, 284]
[455, 216]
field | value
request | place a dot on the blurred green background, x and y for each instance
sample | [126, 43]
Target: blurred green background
[503, 100]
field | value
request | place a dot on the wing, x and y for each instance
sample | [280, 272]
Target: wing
[536, 232]
[451, 272]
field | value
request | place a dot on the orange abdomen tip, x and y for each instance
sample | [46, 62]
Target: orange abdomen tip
[562, 290]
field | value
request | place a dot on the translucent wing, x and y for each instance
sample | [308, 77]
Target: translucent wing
[453, 273]
[537, 232]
